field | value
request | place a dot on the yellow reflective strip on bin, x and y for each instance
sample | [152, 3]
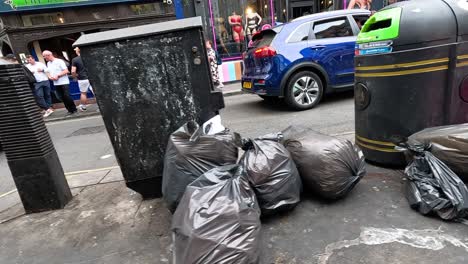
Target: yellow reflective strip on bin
[402, 65]
[463, 64]
[399, 73]
[462, 57]
[383, 143]
[377, 148]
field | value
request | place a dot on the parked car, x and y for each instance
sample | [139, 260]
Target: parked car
[302, 60]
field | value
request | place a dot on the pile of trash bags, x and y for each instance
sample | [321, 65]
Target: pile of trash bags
[219, 197]
[449, 144]
[329, 167]
[272, 173]
[218, 220]
[190, 153]
[437, 156]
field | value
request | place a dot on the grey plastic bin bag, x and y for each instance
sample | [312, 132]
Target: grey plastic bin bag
[433, 188]
[190, 153]
[217, 220]
[449, 144]
[272, 173]
[329, 167]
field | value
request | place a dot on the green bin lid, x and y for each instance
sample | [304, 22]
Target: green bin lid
[413, 24]
[384, 25]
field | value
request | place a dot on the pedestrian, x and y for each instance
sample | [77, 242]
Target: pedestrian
[360, 4]
[79, 72]
[213, 60]
[41, 86]
[58, 73]
[27, 73]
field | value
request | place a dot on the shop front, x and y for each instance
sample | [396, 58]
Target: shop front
[230, 25]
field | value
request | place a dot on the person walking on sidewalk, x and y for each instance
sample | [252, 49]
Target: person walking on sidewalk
[58, 73]
[213, 60]
[42, 85]
[79, 72]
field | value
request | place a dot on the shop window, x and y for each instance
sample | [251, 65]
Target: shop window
[300, 34]
[43, 19]
[333, 29]
[234, 23]
[326, 5]
[158, 8]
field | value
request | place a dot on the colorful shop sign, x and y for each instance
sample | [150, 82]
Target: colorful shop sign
[26, 5]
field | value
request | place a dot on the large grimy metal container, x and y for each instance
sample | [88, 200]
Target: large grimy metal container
[411, 73]
[31, 156]
[149, 80]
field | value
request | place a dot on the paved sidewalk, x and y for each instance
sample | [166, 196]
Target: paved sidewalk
[108, 223]
[60, 113]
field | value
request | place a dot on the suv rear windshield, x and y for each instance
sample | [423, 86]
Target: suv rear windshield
[265, 37]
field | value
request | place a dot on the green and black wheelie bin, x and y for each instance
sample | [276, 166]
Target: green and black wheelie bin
[411, 73]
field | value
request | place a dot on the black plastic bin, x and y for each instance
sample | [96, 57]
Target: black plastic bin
[149, 81]
[411, 73]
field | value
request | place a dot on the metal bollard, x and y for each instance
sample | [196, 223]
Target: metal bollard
[31, 155]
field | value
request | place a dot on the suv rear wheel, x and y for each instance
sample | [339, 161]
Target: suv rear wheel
[304, 90]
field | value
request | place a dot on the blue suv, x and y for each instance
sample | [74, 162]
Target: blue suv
[302, 60]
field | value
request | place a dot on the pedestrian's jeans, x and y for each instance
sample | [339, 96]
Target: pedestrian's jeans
[64, 95]
[42, 94]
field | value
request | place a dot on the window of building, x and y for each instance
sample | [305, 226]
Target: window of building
[326, 5]
[332, 28]
[43, 19]
[232, 24]
[300, 34]
[158, 8]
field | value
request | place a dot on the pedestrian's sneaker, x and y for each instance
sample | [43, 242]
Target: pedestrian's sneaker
[48, 112]
[70, 114]
[82, 107]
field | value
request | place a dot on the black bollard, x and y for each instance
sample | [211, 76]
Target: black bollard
[149, 80]
[31, 155]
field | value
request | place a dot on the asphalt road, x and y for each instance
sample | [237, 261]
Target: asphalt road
[83, 144]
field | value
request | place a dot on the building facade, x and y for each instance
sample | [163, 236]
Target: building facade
[31, 26]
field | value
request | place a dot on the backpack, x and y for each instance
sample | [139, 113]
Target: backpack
[218, 58]
[28, 74]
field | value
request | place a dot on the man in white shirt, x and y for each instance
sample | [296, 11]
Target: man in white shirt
[42, 85]
[57, 72]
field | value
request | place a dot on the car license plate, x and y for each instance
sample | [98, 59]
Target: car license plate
[247, 85]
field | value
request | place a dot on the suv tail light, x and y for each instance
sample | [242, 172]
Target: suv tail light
[264, 52]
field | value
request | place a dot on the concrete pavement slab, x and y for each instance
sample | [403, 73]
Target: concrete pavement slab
[9, 199]
[113, 175]
[14, 208]
[103, 224]
[108, 223]
[86, 179]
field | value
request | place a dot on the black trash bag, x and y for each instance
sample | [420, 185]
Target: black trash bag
[272, 174]
[190, 153]
[449, 144]
[217, 220]
[433, 188]
[329, 167]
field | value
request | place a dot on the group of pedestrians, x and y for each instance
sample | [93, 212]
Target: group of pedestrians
[39, 76]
